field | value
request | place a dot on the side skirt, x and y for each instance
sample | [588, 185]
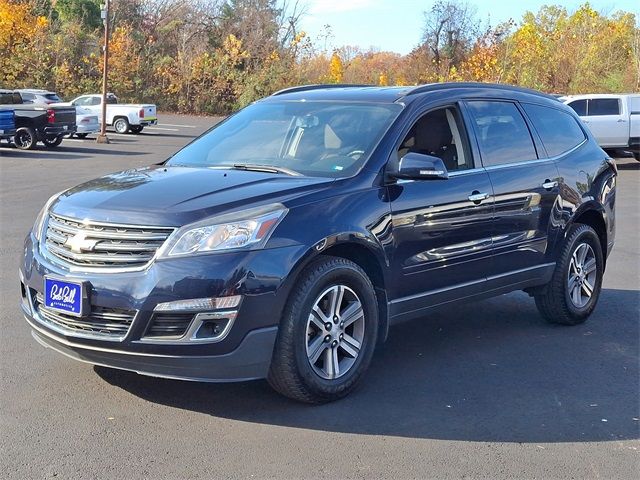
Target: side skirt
[407, 308]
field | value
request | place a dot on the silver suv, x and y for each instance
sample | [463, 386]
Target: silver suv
[37, 96]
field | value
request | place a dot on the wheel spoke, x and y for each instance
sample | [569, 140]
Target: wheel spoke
[317, 318]
[336, 362]
[350, 345]
[587, 288]
[318, 345]
[582, 251]
[590, 266]
[320, 314]
[352, 313]
[572, 266]
[337, 294]
[576, 296]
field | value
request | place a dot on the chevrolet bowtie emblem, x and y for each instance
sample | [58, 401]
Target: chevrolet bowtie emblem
[79, 243]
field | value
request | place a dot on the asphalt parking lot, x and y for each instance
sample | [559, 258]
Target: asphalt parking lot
[483, 390]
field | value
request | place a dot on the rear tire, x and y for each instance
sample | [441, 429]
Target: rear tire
[52, 143]
[573, 292]
[636, 155]
[327, 334]
[25, 138]
[121, 125]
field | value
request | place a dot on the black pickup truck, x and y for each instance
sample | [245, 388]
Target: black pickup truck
[34, 123]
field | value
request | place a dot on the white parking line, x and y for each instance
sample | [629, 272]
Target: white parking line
[174, 125]
[160, 128]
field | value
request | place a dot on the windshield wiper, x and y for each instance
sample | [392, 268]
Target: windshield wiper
[265, 168]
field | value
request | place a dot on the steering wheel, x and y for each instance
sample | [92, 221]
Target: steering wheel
[355, 154]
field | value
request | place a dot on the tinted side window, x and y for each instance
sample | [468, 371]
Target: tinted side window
[558, 130]
[580, 107]
[440, 133]
[503, 134]
[604, 106]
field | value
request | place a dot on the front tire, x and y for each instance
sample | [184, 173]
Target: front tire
[25, 138]
[53, 142]
[327, 334]
[136, 128]
[574, 289]
[121, 125]
[81, 135]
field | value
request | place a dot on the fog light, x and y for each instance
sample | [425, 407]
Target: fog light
[199, 304]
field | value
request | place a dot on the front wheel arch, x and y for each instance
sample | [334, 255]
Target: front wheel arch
[373, 263]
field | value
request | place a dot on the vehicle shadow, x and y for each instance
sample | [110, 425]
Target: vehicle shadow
[488, 371]
[630, 164]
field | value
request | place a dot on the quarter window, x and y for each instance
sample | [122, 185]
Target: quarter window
[558, 130]
[604, 106]
[503, 135]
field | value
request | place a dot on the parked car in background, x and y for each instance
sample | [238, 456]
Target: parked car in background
[87, 122]
[286, 240]
[613, 119]
[38, 123]
[124, 117]
[38, 96]
[7, 119]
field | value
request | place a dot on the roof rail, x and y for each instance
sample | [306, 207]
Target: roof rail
[318, 86]
[430, 87]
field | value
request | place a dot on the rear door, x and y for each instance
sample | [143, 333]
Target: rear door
[606, 121]
[525, 185]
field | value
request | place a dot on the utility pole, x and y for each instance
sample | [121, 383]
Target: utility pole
[104, 13]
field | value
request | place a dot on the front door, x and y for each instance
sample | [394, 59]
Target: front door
[442, 229]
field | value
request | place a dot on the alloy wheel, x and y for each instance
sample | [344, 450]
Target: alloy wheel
[583, 274]
[335, 332]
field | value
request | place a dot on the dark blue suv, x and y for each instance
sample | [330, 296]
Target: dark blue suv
[286, 240]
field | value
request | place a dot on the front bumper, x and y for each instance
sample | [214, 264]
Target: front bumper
[249, 361]
[260, 277]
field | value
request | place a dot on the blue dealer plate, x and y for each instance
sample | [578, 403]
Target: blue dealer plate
[63, 296]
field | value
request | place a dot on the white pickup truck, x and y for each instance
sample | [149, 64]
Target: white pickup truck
[613, 119]
[125, 117]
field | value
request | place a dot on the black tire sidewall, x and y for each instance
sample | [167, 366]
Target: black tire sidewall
[586, 235]
[31, 133]
[360, 284]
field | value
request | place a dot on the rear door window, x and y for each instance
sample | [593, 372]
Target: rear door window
[503, 135]
[580, 107]
[558, 130]
[603, 106]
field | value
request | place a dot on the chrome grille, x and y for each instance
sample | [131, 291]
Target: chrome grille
[113, 323]
[102, 245]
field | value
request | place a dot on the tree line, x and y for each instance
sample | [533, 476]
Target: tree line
[215, 56]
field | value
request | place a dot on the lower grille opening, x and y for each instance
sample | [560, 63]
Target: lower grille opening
[169, 324]
[103, 322]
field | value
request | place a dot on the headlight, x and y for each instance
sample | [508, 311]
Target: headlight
[38, 226]
[245, 229]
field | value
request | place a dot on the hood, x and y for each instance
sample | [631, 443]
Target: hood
[175, 196]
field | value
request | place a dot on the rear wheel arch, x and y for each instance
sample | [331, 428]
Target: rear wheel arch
[595, 219]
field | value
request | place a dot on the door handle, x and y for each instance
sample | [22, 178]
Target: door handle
[477, 197]
[549, 185]
[622, 120]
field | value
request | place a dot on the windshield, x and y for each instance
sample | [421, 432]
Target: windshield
[326, 139]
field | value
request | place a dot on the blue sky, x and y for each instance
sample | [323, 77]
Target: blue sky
[396, 25]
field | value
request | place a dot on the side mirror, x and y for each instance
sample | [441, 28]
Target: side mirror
[417, 166]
